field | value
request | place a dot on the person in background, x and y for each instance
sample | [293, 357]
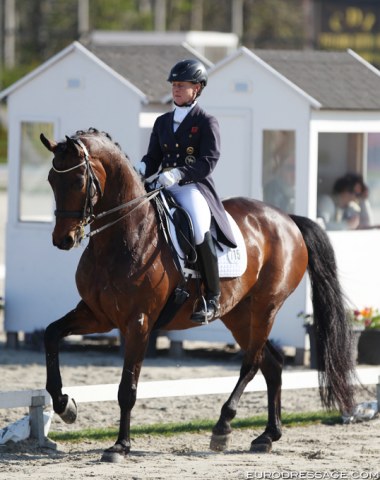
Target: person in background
[348, 208]
[184, 149]
[361, 192]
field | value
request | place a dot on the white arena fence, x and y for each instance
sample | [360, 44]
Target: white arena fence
[37, 400]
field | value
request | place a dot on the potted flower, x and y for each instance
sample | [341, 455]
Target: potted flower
[361, 322]
[369, 340]
[308, 324]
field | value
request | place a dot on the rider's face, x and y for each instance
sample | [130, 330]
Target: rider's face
[184, 92]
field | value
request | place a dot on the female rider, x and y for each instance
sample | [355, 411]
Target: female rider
[185, 143]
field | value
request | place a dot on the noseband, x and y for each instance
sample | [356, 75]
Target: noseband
[93, 188]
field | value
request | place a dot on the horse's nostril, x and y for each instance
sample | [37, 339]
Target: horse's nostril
[65, 244]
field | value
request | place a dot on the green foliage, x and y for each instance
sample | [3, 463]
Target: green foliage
[179, 14]
[11, 75]
[3, 144]
[165, 429]
[45, 27]
[120, 15]
[274, 24]
[216, 14]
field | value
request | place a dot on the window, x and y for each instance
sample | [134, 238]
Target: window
[349, 180]
[279, 169]
[36, 197]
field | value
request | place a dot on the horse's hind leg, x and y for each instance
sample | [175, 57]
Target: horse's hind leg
[221, 433]
[241, 314]
[271, 367]
[78, 321]
[251, 322]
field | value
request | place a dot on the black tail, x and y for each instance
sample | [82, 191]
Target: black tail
[332, 328]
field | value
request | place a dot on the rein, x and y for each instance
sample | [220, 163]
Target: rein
[145, 198]
[87, 214]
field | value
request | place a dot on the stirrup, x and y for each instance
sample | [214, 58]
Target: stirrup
[210, 311]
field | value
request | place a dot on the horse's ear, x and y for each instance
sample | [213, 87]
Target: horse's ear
[71, 144]
[48, 143]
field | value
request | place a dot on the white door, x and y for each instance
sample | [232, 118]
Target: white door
[233, 172]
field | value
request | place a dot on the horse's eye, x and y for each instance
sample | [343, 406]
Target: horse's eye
[78, 183]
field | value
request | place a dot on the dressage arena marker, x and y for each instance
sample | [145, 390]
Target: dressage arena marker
[36, 400]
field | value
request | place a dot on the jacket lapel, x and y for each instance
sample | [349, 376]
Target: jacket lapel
[169, 125]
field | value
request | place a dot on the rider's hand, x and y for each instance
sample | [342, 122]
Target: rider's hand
[141, 169]
[169, 178]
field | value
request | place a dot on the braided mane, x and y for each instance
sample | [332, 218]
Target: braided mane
[94, 131]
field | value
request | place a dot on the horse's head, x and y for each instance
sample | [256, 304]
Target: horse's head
[76, 189]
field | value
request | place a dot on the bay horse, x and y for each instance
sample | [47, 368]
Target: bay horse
[127, 273]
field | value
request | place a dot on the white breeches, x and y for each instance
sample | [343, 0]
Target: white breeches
[191, 199]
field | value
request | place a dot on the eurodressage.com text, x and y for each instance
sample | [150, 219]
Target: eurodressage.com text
[307, 475]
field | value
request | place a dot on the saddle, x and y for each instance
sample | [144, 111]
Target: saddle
[174, 217]
[177, 227]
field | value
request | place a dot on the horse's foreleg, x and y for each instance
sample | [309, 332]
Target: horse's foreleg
[78, 321]
[271, 367]
[136, 342]
[127, 399]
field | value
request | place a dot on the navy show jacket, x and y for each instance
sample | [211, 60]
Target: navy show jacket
[194, 149]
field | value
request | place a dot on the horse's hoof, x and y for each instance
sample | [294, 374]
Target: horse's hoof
[115, 454]
[262, 446]
[112, 457]
[219, 443]
[69, 415]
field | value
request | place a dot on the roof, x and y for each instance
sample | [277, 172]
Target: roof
[145, 66]
[329, 80]
[73, 47]
[244, 52]
[337, 80]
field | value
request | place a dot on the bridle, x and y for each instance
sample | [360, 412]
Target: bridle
[93, 191]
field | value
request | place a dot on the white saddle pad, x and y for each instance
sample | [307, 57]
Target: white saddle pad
[232, 262]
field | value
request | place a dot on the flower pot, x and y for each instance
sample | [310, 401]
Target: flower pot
[356, 333]
[310, 330]
[369, 347]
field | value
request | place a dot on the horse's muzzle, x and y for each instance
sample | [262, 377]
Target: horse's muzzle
[68, 241]
[65, 243]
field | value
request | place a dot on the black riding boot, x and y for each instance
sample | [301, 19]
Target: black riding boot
[210, 309]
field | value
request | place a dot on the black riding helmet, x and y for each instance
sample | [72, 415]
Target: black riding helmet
[189, 71]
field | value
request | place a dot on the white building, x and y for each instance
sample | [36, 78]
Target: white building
[118, 90]
[315, 113]
[303, 118]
